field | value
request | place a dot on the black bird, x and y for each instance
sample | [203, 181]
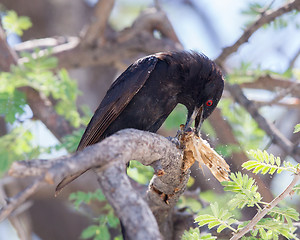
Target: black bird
[147, 92]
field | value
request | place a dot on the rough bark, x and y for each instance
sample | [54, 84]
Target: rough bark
[110, 157]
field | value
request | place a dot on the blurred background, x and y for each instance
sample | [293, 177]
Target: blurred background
[200, 25]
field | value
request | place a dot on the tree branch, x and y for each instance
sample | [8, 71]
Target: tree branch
[110, 157]
[122, 45]
[265, 18]
[95, 31]
[294, 59]
[7, 55]
[43, 110]
[271, 83]
[132, 210]
[276, 136]
[20, 198]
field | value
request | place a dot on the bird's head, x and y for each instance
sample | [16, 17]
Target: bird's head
[207, 98]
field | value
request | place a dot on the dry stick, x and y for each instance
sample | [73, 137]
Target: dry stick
[265, 18]
[272, 83]
[100, 17]
[7, 55]
[123, 45]
[294, 59]
[285, 144]
[21, 197]
[283, 93]
[266, 209]
[290, 104]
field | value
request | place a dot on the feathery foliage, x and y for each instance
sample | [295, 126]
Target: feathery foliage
[280, 222]
[266, 163]
[220, 217]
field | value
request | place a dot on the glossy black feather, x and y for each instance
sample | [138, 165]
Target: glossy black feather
[116, 99]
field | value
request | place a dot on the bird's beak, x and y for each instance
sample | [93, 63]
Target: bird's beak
[196, 116]
[199, 120]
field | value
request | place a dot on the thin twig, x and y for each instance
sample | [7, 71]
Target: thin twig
[20, 198]
[272, 83]
[282, 94]
[266, 209]
[8, 57]
[294, 59]
[277, 137]
[265, 18]
[123, 45]
[95, 31]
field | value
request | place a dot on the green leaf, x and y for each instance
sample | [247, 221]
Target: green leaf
[12, 104]
[112, 220]
[221, 228]
[265, 163]
[269, 228]
[70, 142]
[90, 232]
[296, 189]
[246, 189]
[13, 23]
[103, 233]
[191, 234]
[220, 217]
[207, 236]
[262, 233]
[297, 128]
[284, 214]
[17, 145]
[80, 197]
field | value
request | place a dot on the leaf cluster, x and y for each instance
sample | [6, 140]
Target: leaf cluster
[99, 230]
[13, 23]
[271, 229]
[280, 219]
[194, 234]
[297, 128]
[256, 9]
[220, 217]
[17, 145]
[266, 163]
[38, 73]
[245, 189]
[71, 141]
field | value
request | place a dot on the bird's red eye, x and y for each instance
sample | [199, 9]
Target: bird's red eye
[209, 103]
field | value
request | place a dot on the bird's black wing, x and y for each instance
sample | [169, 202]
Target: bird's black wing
[117, 98]
[124, 88]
